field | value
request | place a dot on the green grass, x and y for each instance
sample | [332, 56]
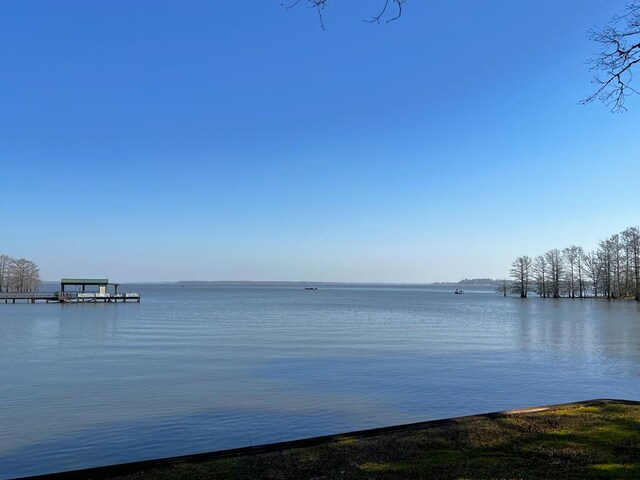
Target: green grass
[587, 442]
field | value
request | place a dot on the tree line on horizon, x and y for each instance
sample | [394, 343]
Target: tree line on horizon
[610, 271]
[18, 274]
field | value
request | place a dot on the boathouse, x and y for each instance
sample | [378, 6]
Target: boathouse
[83, 283]
[76, 290]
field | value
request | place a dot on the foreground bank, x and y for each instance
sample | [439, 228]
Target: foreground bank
[598, 439]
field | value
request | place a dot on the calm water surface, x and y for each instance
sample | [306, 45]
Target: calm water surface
[206, 367]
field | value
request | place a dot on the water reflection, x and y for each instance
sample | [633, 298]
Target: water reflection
[80, 323]
[584, 328]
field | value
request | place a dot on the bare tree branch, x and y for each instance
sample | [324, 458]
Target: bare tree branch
[319, 6]
[619, 54]
[399, 3]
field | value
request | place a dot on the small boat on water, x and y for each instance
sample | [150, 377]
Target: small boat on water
[458, 291]
[310, 288]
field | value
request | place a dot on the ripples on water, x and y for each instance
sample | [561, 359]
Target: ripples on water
[201, 368]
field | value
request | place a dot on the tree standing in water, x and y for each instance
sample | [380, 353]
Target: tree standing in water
[556, 268]
[540, 270]
[520, 272]
[503, 287]
[571, 257]
[5, 263]
[19, 275]
[631, 241]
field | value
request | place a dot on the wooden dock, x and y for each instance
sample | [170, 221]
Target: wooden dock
[68, 297]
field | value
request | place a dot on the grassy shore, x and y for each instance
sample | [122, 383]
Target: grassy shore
[600, 441]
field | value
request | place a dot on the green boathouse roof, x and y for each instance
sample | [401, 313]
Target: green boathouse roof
[84, 281]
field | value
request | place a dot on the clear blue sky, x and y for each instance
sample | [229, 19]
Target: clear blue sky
[167, 140]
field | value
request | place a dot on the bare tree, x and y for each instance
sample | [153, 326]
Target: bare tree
[619, 256]
[615, 249]
[605, 254]
[520, 272]
[619, 54]
[540, 270]
[593, 267]
[556, 269]
[631, 241]
[503, 287]
[571, 256]
[18, 271]
[5, 263]
[33, 276]
[383, 13]
[580, 271]
[23, 275]
[627, 276]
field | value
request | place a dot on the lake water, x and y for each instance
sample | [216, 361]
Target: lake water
[206, 367]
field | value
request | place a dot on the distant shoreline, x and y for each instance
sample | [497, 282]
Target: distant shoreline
[297, 282]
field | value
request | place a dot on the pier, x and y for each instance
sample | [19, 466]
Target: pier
[79, 295]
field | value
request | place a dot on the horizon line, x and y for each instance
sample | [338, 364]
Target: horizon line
[324, 282]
